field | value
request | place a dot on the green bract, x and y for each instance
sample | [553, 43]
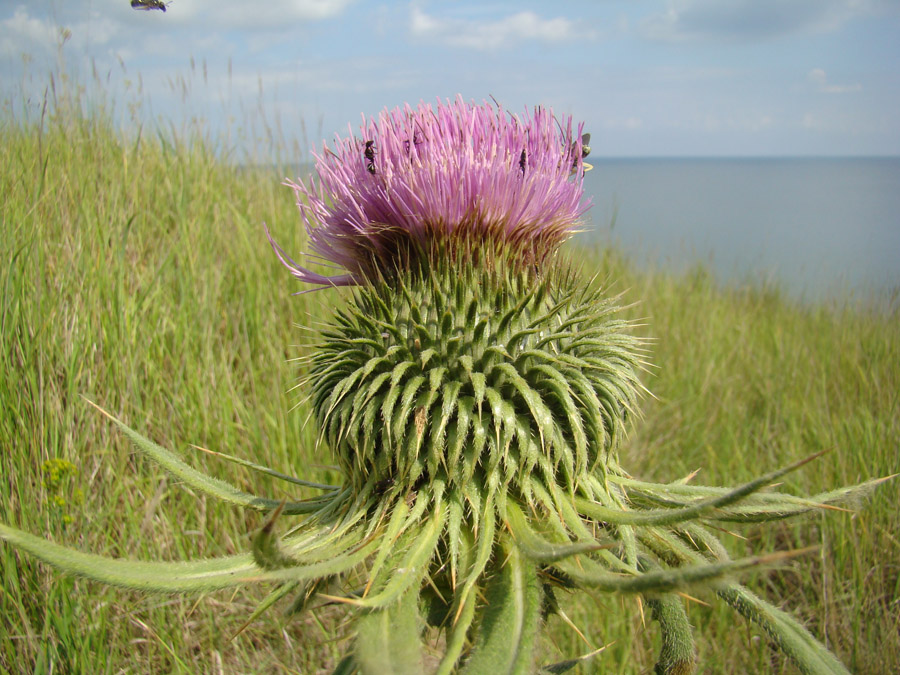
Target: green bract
[460, 370]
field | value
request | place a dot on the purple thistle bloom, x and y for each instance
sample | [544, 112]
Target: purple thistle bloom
[458, 171]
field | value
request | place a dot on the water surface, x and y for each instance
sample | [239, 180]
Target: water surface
[815, 226]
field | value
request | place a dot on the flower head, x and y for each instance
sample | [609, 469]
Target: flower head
[454, 171]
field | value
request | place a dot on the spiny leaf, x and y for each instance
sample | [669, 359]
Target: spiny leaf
[765, 505]
[362, 399]
[673, 516]
[478, 386]
[504, 417]
[266, 470]
[359, 373]
[459, 432]
[535, 547]
[202, 482]
[456, 638]
[388, 639]
[265, 549]
[413, 562]
[792, 506]
[810, 656]
[395, 390]
[507, 633]
[539, 411]
[168, 577]
[669, 579]
[676, 656]
[454, 532]
[397, 521]
[484, 546]
[174, 577]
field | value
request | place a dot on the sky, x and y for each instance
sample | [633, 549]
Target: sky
[650, 78]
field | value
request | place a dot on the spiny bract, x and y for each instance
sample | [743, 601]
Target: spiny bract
[463, 369]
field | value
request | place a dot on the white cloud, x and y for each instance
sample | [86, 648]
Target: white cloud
[272, 13]
[23, 34]
[728, 20]
[239, 15]
[818, 77]
[357, 75]
[496, 34]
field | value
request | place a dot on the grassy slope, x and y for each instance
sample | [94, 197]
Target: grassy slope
[136, 273]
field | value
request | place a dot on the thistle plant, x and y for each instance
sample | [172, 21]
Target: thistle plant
[474, 388]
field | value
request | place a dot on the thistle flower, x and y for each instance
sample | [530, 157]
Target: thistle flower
[474, 390]
[451, 173]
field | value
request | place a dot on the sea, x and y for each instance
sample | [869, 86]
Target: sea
[815, 228]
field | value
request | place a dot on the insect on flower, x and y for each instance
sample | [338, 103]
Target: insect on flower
[585, 151]
[585, 145]
[416, 142]
[369, 154]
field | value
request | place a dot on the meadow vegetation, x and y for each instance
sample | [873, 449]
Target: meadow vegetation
[135, 273]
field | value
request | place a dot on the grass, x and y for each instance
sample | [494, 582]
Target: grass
[135, 273]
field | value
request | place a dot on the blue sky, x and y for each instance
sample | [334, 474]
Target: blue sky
[649, 78]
